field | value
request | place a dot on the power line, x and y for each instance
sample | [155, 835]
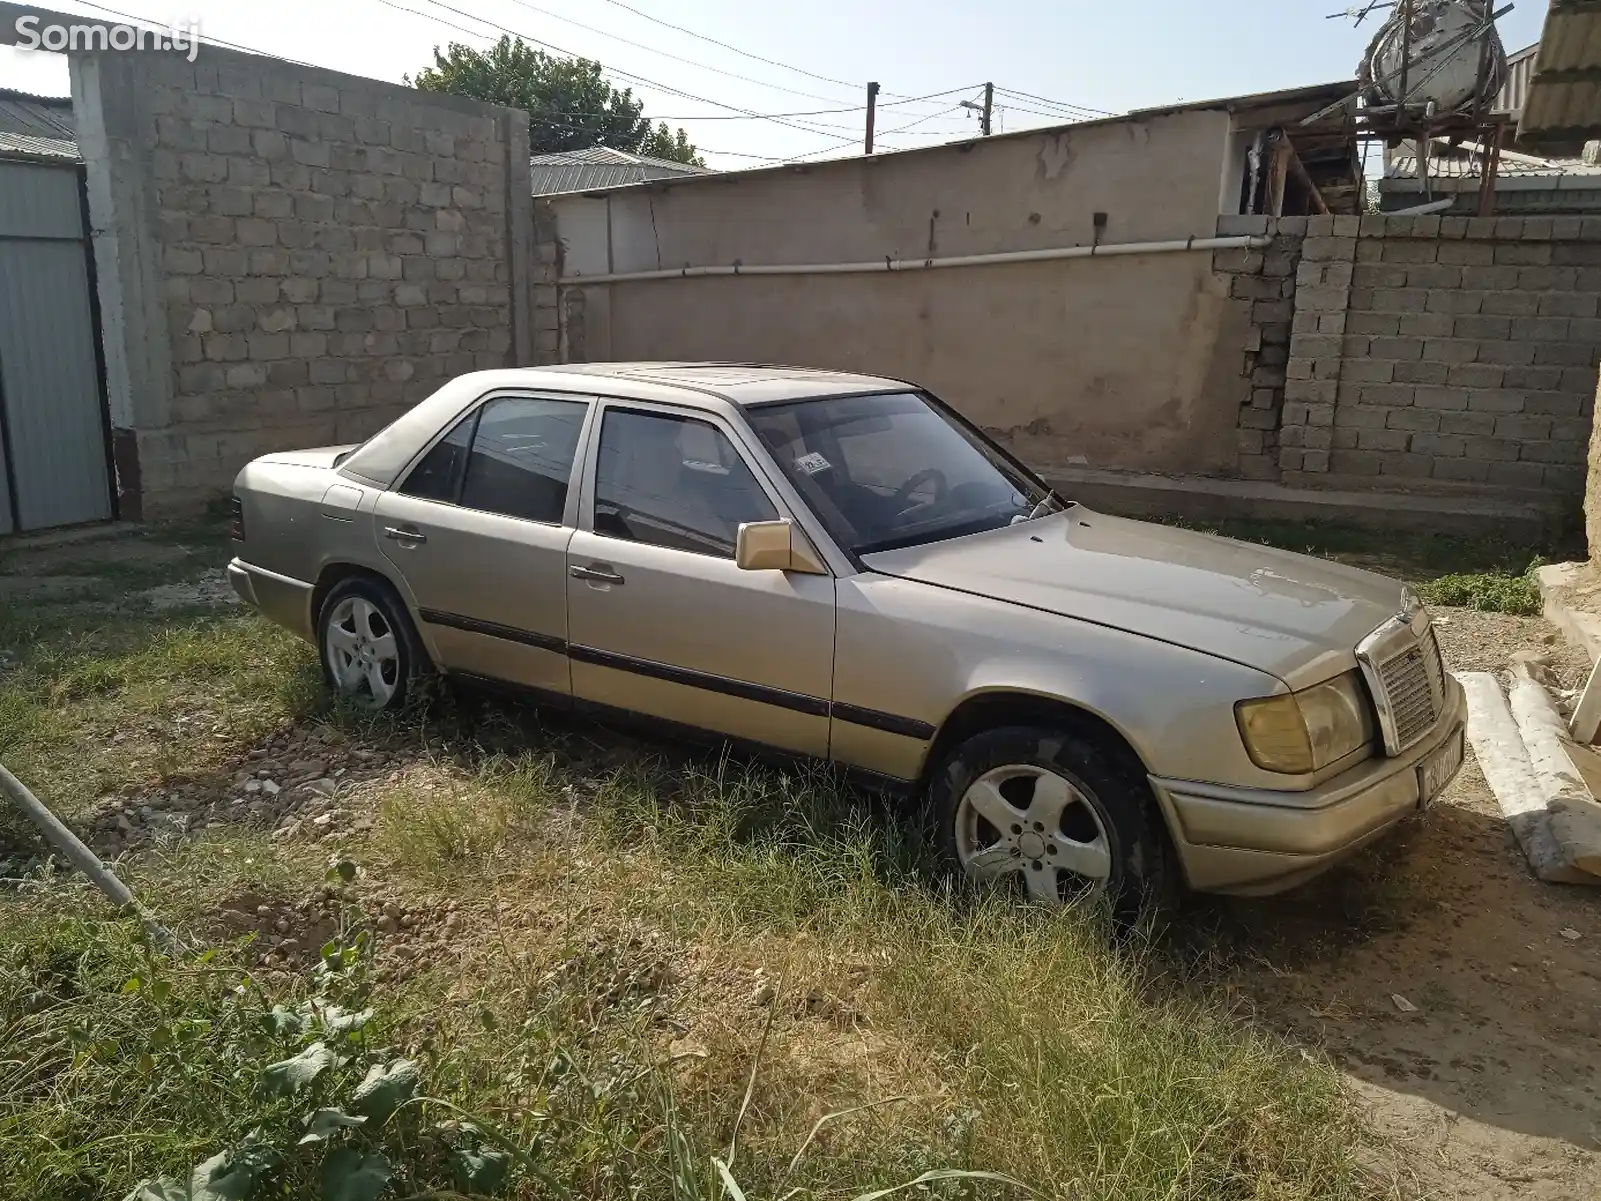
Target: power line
[204, 40]
[771, 62]
[639, 79]
[955, 108]
[667, 54]
[1096, 112]
[1059, 118]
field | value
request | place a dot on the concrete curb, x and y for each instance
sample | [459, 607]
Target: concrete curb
[1574, 816]
[1509, 770]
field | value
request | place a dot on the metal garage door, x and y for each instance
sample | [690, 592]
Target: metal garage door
[53, 468]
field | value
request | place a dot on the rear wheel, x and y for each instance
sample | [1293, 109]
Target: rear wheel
[370, 652]
[1052, 814]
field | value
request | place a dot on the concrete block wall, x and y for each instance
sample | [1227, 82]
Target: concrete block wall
[1262, 284]
[313, 251]
[547, 270]
[1444, 353]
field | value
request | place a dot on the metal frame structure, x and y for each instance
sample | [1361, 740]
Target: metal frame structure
[1420, 122]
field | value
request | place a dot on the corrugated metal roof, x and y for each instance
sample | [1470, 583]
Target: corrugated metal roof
[1405, 166]
[37, 116]
[36, 126]
[22, 144]
[1563, 106]
[601, 167]
[1519, 70]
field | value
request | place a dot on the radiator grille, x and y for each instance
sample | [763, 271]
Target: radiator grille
[1414, 683]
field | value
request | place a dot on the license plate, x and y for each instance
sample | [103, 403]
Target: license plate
[1435, 772]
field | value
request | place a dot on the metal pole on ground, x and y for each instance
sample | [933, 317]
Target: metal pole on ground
[81, 857]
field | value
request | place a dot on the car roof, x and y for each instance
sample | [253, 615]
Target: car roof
[710, 386]
[696, 383]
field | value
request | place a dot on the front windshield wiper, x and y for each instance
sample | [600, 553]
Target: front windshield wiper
[1053, 502]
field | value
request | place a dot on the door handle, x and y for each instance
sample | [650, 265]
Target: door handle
[400, 535]
[598, 572]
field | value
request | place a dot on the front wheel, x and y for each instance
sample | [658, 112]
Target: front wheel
[1049, 811]
[369, 653]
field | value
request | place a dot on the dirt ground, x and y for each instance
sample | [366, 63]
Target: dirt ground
[1493, 1082]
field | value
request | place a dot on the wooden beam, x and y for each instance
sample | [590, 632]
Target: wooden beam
[1587, 713]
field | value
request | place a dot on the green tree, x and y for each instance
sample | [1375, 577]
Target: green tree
[570, 105]
[661, 142]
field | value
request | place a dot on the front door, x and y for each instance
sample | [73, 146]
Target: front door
[661, 619]
[479, 530]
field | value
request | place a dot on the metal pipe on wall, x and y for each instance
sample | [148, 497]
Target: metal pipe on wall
[1175, 246]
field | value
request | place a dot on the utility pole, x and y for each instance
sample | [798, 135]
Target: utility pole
[984, 110]
[872, 109]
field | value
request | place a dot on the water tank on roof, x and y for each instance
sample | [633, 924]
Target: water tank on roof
[1443, 55]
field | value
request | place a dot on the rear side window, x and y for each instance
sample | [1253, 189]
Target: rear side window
[674, 481]
[438, 476]
[522, 458]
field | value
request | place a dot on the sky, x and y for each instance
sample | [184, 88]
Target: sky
[1050, 60]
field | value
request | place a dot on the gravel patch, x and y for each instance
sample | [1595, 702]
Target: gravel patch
[212, 590]
[1475, 641]
[296, 785]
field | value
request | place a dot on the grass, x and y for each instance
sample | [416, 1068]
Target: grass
[595, 1006]
[657, 960]
[101, 691]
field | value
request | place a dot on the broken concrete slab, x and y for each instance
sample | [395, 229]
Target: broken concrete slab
[1571, 593]
[1504, 759]
[1573, 817]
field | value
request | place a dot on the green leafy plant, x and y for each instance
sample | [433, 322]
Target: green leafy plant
[349, 1137]
[1488, 591]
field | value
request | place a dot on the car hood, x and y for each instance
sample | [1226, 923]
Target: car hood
[1292, 616]
[316, 456]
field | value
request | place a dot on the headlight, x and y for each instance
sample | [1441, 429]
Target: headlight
[1306, 731]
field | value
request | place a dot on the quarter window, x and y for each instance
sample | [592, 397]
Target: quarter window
[674, 481]
[438, 476]
[522, 458]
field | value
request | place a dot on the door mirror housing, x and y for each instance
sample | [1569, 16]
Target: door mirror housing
[774, 546]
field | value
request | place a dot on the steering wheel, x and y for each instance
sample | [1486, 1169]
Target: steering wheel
[902, 500]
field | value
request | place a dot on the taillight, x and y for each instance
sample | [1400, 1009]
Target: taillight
[236, 527]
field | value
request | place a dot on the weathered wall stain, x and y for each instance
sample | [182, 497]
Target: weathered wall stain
[1056, 156]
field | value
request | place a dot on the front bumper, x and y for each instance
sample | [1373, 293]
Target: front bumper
[282, 598]
[1255, 841]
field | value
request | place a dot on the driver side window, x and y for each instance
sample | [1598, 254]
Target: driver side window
[674, 481]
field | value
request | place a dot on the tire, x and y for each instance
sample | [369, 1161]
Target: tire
[368, 647]
[994, 798]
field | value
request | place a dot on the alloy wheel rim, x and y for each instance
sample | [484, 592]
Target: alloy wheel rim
[363, 653]
[1026, 821]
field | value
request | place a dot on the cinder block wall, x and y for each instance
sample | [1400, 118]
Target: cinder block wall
[1444, 353]
[1263, 284]
[290, 257]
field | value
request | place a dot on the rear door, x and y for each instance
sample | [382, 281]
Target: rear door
[479, 529]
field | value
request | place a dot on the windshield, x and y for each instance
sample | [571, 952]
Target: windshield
[894, 470]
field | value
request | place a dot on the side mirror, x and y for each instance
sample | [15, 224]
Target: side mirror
[774, 546]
